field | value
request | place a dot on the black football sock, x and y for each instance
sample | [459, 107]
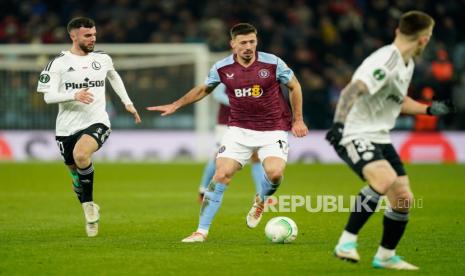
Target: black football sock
[77, 187]
[86, 179]
[365, 206]
[394, 227]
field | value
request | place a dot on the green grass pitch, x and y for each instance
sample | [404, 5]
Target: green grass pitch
[146, 209]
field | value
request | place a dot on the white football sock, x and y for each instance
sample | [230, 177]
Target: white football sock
[384, 253]
[347, 237]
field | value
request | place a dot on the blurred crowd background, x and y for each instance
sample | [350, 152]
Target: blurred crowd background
[322, 41]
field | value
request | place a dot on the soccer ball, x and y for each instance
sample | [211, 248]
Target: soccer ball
[281, 230]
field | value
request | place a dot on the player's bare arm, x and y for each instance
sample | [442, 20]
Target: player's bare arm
[131, 109]
[412, 107]
[195, 94]
[299, 129]
[349, 96]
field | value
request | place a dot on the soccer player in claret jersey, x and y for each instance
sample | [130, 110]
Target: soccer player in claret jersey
[260, 119]
[75, 79]
[366, 112]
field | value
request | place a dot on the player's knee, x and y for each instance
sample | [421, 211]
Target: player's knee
[222, 176]
[275, 175]
[403, 201]
[81, 158]
[383, 182]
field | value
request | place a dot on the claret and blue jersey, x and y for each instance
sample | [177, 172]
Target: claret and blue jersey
[254, 92]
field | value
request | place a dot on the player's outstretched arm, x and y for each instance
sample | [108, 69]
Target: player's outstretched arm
[131, 109]
[412, 107]
[299, 129]
[195, 94]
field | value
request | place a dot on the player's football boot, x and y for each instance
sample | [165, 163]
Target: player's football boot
[91, 213]
[256, 212]
[347, 251]
[195, 237]
[394, 262]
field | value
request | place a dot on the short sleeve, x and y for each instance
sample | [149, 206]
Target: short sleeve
[213, 78]
[283, 72]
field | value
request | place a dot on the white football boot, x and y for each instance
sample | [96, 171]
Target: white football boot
[92, 215]
[394, 262]
[195, 237]
[256, 212]
[347, 251]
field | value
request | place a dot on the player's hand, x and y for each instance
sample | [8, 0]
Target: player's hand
[299, 129]
[439, 108]
[84, 96]
[164, 109]
[334, 134]
[131, 109]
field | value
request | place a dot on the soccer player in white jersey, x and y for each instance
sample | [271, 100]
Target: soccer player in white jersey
[75, 80]
[259, 121]
[366, 112]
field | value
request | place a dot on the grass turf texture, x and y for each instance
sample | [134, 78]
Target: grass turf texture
[146, 209]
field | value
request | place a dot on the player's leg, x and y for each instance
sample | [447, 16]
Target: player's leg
[400, 198]
[231, 156]
[88, 143]
[273, 154]
[258, 173]
[66, 146]
[225, 169]
[368, 162]
[209, 169]
[208, 172]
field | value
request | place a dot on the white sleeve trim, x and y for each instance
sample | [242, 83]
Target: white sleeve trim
[118, 85]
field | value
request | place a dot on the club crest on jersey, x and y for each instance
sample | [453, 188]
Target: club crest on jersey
[263, 73]
[379, 74]
[255, 91]
[44, 78]
[96, 65]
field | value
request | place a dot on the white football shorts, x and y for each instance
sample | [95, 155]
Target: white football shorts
[239, 144]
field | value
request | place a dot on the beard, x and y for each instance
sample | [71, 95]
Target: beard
[86, 49]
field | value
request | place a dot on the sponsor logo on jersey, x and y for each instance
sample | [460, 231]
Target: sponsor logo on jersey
[263, 73]
[44, 78]
[255, 91]
[86, 84]
[96, 65]
[71, 69]
[379, 74]
[395, 98]
[230, 76]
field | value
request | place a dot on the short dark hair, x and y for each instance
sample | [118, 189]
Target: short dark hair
[79, 22]
[413, 22]
[242, 29]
